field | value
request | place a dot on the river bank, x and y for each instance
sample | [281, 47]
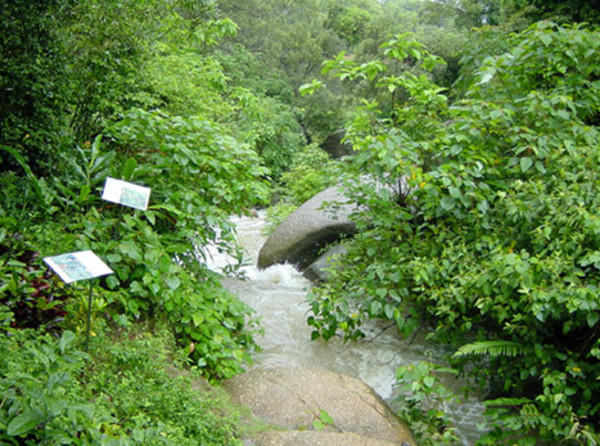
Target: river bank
[278, 295]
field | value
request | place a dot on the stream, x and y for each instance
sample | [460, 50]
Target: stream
[278, 295]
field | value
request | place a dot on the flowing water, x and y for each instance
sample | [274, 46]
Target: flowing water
[278, 295]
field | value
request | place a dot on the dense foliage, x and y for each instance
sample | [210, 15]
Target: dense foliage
[124, 393]
[32, 84]
[85, 96]
[485, 226]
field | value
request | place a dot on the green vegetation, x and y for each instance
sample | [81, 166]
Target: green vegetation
[311, 171]
[488, 208]
[475, 126]
[132, 389]
[128, 90]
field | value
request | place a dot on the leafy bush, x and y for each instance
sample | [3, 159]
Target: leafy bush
[485, 227]
[199, 176]
[269, 126]
[157, 254]
[420, 403]
[40, 405]
[154, 400]
[26, 288]
[33, 82]
[124, 394]
[51, 203]
[311, 172]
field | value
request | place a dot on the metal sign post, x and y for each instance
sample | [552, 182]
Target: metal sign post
[80, 265]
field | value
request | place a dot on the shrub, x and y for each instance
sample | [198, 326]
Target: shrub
[312, 171]
[492, 236]
[124, 393]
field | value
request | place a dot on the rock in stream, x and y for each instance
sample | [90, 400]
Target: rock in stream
[294, 399]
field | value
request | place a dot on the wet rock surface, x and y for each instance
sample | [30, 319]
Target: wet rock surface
[322, 438]
[299, 239]
[336, 146]
[294, 401]
[318, 271]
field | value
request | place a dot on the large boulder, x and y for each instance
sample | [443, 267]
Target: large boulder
[336, 146]
[303, 234]
[319, 438]
[295, 399]
[319, 270]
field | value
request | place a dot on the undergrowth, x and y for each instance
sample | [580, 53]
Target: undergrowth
[133, 388]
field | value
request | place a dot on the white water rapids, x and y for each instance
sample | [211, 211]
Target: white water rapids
[278, 295]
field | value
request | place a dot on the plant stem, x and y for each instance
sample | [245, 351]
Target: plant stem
[89, 319]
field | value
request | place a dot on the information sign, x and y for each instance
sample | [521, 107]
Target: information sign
[127, 194]
[78, 265]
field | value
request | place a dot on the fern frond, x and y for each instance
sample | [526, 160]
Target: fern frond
[508, 402]
[493, 348]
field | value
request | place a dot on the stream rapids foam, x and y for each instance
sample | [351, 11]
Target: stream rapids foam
[278, 294]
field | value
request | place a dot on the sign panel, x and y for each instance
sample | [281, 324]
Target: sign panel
[127, 194]
[78, 265]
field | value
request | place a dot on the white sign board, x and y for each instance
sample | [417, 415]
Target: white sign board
[127, 194]
[78, 265]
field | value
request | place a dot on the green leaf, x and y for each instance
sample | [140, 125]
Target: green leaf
[592, 319]
[546, 39]
[56, 379]
[447, 203]
[166, 207]
[130, 249]
[56, 405]
[525, 163]
[507, 402]
[319, 425]
[129, 168]
[308, 89]
[325, 417]
[388, 310]
[198, 319]
[429, 381]
[114, 258]
[173, 282]
[84, 192]
[540, 167]
[483, 206]
[66, 340]
[32, 178]
[151, 217]
[487, 75]
[112, 281]
[381, 292]
[24, 423]
[454, 192]
[375, 308]
[493, 348]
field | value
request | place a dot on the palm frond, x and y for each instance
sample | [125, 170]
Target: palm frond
[493, 348]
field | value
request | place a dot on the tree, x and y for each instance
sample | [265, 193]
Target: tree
[33, 87]
[287, 43]
[111, 42]
[349, 20]
[568, 11]
[94, 73]
[479, 221]
[466, 13]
